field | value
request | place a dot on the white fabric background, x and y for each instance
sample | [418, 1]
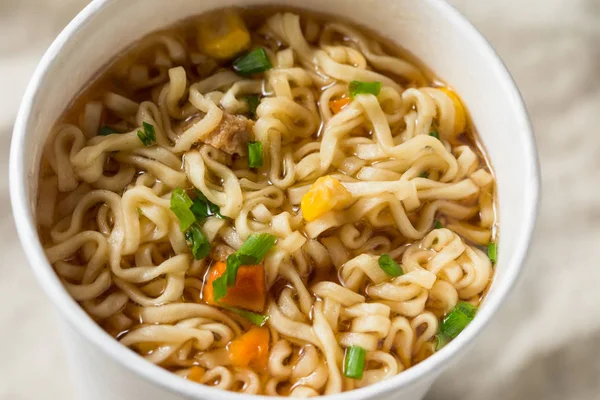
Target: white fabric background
[545, 343]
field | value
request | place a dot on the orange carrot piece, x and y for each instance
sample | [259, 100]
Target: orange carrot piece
[338, 104]
[249, 291]
[196, 373]
[251, 349]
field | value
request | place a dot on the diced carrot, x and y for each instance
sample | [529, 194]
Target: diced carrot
[249, 291]
[338, 104]
[251, 349]
[196, 373]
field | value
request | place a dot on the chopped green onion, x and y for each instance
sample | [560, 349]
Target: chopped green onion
[491, 251]
[197, 242]
[252, 252]
[180, 205]
[441, 341]
[354, 363]
[140, 212]
[457, 319]
[203, 208]
[435, 134]
[356, 87]
[256, 319]
[148, 136]
[105, 131]
[255, 247]
[220, 286]
[253, 101]
[149, 129]
[190, 214]
[389, 266]
[233, 264]
[228, 278]
[424, 174]
[252, 63]
[437, 224]
[255, 154]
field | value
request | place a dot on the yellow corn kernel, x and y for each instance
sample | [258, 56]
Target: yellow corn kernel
[460, 117]
[326, 194]
[223, 35]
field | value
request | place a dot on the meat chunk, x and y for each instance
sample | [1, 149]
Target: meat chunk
[232, 134]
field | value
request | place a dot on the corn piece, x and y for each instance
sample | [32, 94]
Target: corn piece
[223, 35]
[326, 194]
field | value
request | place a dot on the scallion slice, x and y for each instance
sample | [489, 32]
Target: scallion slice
[424, 174]
[457, 319]
[198, 243]
[220, 286]
[389, 266]
[252, 252]
[148, 136]
[491, 251]
[255, 318]
[356, 87]
[252, 63]
[204, 208]
[190, 214]
[437, 224]
[106, 130]
[255, 154]
[255, 247]
[435, 134]
[354, 362]
[253, 101]
[228, 278]
[180, 205]
[233, 264]
[441, 341]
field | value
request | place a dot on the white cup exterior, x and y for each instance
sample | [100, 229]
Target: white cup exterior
[430, 29]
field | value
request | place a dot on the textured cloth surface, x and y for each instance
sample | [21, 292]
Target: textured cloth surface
[545, 341]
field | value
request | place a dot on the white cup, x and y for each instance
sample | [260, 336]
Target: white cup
[430, 29]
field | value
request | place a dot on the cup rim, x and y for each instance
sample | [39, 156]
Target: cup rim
[79, 320]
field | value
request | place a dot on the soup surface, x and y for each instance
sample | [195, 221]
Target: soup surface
[270, 202]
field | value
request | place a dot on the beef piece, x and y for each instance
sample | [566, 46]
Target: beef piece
[232, 134]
